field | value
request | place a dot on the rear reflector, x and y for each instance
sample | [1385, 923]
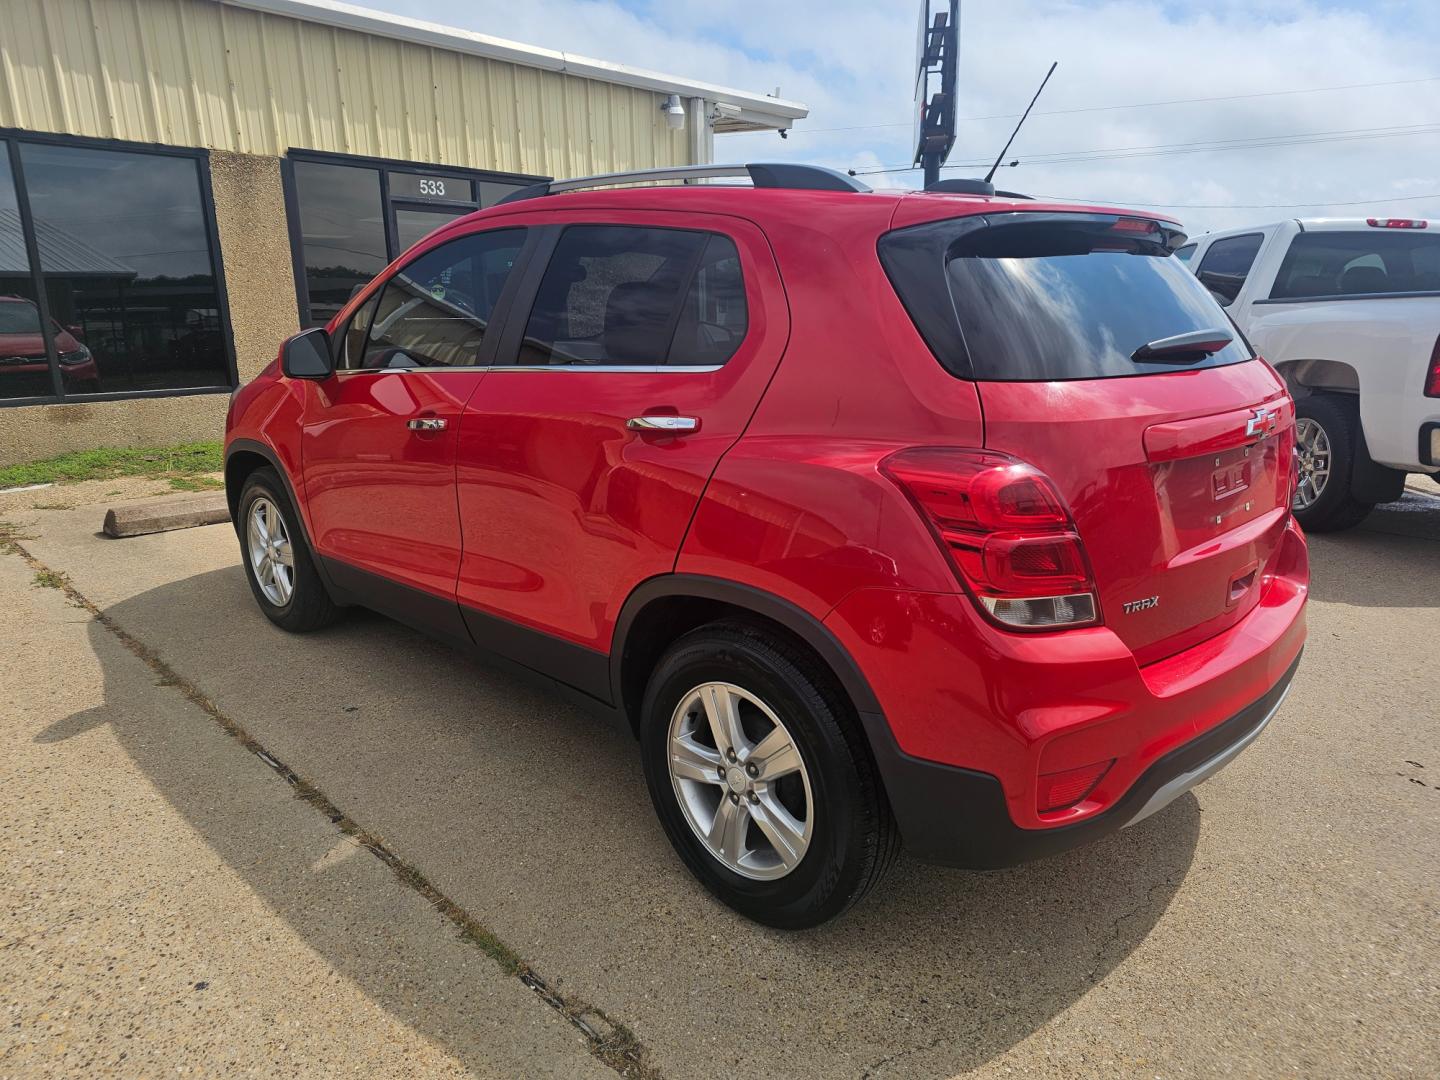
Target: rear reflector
[1396, 223]
[1006, 531]
[1061, 789]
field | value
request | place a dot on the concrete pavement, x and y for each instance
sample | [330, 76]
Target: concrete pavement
[1281, 920]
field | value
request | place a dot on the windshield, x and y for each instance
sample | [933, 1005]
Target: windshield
[18, 317]
[1048, 297]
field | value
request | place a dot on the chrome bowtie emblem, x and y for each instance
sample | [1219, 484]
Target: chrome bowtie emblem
[1262, 423]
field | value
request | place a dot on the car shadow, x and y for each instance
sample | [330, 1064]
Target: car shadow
[1388, 561]
[534, 817]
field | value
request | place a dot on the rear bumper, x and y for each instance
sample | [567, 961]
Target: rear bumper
[958, 817]
[970, 719]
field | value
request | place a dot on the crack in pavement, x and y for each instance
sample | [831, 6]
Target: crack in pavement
[610, 1041]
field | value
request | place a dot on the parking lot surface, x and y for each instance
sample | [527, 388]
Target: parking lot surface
[1282, 919]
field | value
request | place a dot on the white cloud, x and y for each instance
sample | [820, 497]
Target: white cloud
[851, 61]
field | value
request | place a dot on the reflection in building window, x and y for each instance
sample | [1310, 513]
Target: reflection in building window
[128, 269]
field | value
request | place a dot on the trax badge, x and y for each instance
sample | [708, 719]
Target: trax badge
[1141, 605]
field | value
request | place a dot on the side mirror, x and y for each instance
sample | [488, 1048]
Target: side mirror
[307, 355]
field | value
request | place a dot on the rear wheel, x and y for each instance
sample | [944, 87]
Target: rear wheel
[763, 786]
[1326, 429]
[278, 562]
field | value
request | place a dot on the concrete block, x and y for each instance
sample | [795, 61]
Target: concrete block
[164, 515]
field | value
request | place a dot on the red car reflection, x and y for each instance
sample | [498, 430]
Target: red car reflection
[22, 353]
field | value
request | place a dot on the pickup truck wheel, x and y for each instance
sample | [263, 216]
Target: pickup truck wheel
[769, 797]
[1325, 437]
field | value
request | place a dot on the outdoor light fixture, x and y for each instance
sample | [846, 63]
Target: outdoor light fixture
[674, 110]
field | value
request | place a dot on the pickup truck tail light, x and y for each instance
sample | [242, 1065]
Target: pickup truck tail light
[1432, 377]
[1006, 531]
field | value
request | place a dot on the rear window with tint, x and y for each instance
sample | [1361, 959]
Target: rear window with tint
[1040, 297]
[1356, 263]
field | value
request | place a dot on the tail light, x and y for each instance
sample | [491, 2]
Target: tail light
[1006, 531]
[1061, 789]
[1432, 377]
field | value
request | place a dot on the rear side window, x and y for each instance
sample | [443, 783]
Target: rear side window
[434, 311]
[1227, 264]
[1040, 297]
[1186, 253]
[630, 296]
[1357, 263]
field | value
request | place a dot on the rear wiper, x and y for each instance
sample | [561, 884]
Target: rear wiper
[1183, 348]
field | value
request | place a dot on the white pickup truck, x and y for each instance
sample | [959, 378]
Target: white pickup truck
[1349, 312]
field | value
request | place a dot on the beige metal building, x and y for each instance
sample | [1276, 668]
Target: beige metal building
[184, 183]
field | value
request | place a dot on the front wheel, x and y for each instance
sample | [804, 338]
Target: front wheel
[760, 778]
[278, 563]
[1326, 438]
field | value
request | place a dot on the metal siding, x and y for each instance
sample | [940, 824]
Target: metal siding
[195, 73]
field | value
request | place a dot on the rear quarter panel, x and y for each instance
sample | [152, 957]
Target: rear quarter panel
[799, 507]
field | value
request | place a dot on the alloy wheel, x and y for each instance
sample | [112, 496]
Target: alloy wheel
[740, 781]
[272, 557]
[1314, 448]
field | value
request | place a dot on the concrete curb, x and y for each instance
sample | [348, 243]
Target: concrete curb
[164, 515]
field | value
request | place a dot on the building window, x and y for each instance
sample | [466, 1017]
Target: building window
[355, 216]
[126, 297]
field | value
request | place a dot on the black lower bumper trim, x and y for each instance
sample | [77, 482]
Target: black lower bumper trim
[958, 817]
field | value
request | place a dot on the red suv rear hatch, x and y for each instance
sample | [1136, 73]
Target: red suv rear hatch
[1103, 363]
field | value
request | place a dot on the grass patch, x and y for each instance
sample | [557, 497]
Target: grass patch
[197, 483]
[158, 462]
[51, 579]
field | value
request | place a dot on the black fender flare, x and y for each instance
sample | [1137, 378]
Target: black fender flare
[789, 615]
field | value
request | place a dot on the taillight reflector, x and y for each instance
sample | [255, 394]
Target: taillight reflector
[1396, 223]
[1061, 789]
[1432, 377]
[1006, 532]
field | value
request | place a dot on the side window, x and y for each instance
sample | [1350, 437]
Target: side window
[713, 316]
[1356, 262]
[1226, 264]
[618, 294]
[1185, 254]
[434, 311]
[352, 340]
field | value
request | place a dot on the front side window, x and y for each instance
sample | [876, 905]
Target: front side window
[1227, 264]
[434, 311]
[1356, 263]
[1185, 254]
[624, 295]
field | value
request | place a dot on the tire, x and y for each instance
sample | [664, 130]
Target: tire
[294, 597]
[840, 836]
[1337, 421]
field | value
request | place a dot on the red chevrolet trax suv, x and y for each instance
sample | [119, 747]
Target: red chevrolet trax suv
[957, 520]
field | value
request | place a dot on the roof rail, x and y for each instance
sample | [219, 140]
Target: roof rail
[781, 174]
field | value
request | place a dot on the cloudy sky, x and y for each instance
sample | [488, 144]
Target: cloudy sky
[1329, 103]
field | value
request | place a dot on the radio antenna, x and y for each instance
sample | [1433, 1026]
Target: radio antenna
[1001, 157]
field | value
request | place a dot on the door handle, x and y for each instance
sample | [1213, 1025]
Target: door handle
[668, 425]
[426, 423]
